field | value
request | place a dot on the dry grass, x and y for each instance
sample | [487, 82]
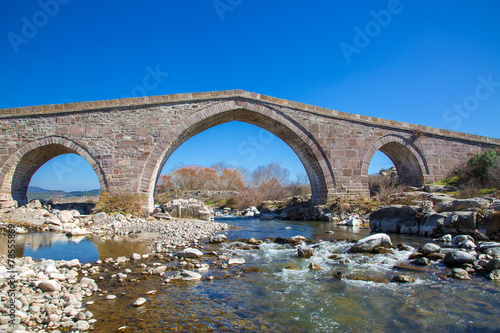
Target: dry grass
[122, 203]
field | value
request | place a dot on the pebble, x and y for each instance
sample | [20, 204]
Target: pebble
[140, 301]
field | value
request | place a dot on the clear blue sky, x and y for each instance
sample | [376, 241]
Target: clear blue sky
[424, 62]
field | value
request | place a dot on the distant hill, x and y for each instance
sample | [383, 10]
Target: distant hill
[35, 192]
[34, 189]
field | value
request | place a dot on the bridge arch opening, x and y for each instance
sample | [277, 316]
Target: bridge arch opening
[406, 157]
[233, 159]
[316, 165]
[20, 169]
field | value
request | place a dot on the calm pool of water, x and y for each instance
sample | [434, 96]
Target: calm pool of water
[57, 246]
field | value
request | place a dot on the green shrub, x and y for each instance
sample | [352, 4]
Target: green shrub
[478, 166]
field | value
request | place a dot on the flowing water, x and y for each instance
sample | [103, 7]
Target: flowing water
[276, 292]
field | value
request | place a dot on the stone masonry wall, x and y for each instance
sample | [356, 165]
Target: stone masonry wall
[128, 141]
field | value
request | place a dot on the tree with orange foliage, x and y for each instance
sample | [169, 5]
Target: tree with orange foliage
[195, 177]
[165, 183]
[231, 180]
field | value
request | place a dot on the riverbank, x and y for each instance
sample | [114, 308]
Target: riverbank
[184, 258]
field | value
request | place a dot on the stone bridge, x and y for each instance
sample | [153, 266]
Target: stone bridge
[127, 141]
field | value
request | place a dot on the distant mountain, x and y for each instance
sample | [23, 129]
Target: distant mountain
[35, 192]
[35, 189]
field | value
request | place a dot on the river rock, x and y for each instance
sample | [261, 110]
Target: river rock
[494, 275]
[53, 220]
[267, 216]
[444, 239]
[140, 301]
[483, 246]
[354, 220]
[190, 253]
[422, 261]
[466, 244]
[49, 286]
[314, 267]
[457, 258]
[493, 265]
[253, 241]
[76, 232]
[82, 325]
[236, 261]
[305, 252]
[392, 218]
[220, 238]
[65, 216]
[460, 274]
[368, 244]
[186, 275]
[429, 248]
[99, 217]
[20, 230]
[71, 264]
[297, 239]
[460, 238]
[494, 251]
[136, 256]
[401, 278]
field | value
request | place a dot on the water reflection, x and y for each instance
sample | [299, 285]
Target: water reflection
[58, 246]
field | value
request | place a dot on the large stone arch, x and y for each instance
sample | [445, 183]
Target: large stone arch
[303, 143]
[407, 158]
[16, 173]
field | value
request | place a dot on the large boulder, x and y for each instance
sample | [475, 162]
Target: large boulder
[392, 218]
[410, 227]
[191, 208]
[99, 217]
[460, 222]
[429, 248]
[462, 204]
[368, 244]
[433, 225]
[65, 216]
[438, 188]
[457, 258]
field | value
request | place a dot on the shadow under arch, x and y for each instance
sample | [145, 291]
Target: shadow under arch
[408, 159]
[304, 145]
[16, 173]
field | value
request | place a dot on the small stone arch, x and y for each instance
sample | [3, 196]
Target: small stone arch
[407, 158]
[16, 173]
[310, 153]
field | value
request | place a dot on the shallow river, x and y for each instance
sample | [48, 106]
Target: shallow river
[276, 292]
